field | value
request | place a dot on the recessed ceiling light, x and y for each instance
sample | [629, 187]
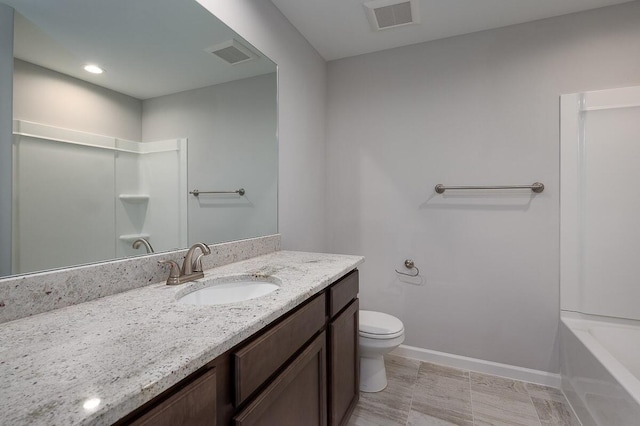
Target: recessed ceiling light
[93, 69]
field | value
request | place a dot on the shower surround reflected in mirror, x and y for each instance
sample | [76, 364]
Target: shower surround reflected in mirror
[101, 160]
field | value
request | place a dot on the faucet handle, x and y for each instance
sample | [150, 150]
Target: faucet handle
[174, 272]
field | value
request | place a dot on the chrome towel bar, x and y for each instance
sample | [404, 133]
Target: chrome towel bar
[196, 192]
[535, 187]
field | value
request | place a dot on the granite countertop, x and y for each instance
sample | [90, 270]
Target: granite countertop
[121, 351]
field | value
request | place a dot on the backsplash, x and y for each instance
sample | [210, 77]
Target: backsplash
[26, 295]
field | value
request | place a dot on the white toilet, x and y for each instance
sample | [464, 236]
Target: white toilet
[379, 334]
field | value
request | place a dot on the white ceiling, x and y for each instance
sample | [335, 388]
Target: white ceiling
[339, 28]
[148, 48]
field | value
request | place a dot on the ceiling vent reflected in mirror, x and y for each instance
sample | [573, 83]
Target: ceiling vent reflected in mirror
[384, 14]
[232, 52]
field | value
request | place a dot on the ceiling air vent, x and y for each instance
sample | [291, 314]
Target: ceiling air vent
[232, 52]
[385, 14]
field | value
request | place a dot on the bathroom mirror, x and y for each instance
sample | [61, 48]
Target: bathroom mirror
[183, 104]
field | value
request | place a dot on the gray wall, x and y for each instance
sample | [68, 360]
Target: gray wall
[231, 131]
[48, 97]
[6, 95]
[476, 109]
[301, 113]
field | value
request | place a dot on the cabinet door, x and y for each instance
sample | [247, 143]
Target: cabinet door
[193, 405]
[297, 396]
[258, 360]
[344, 365]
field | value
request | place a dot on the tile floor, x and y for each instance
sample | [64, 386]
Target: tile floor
[424, 394]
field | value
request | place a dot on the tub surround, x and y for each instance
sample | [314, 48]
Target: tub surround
[599, 368]
[26, 295]
[127, 348]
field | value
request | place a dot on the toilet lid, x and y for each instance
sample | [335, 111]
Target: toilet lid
[380, 325]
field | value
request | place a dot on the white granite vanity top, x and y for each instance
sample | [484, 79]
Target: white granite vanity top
[127, 348]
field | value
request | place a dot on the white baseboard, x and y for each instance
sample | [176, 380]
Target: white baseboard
[480, 366]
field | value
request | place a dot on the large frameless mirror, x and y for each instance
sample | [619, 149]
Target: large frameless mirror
[171, 140]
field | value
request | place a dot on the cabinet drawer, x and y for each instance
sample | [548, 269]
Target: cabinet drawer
[297, 396]
[194, 405]
[257, 361]
[342, 293]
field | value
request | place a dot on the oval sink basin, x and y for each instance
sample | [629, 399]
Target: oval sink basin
[229, 292]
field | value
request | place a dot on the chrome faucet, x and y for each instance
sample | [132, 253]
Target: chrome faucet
[191, 269]
[142, 242]
[189, 266]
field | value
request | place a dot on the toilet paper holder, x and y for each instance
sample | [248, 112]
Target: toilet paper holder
[409, 264]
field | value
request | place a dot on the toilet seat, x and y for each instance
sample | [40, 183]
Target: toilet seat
[378, 325]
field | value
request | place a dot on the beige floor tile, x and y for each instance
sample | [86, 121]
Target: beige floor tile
[499, 386]
[500, 401]
[419, 419]
[440, 371]
[424, 394]
[362, 417]
[545, 392]
[442, 393]
[401, 370]
[554, 413]
[391, 406]
[499, 411]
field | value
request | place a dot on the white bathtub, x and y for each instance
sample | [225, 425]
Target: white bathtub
[600, 367]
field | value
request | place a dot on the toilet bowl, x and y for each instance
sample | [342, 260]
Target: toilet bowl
[379, 334]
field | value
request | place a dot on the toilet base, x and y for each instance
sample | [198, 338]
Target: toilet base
[373, 375]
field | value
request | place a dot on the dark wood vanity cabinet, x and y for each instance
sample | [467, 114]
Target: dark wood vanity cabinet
[301, 370]
[297, 396]
[344, 360]
[267, 353]
[193, 404]
[344, 368]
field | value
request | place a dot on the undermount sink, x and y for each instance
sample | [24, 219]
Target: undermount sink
[220, 291]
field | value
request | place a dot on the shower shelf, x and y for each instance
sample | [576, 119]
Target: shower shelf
[134, 198]
[133, 237]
